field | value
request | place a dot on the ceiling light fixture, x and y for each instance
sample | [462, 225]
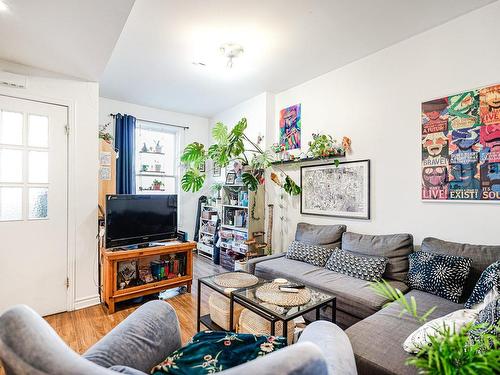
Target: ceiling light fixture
[3, 6]
[231, 51]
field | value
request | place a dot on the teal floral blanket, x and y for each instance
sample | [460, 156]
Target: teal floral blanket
[210, 352]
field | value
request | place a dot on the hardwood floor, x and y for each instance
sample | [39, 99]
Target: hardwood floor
[82, 328]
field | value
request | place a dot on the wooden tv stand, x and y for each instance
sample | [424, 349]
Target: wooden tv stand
[110, 291]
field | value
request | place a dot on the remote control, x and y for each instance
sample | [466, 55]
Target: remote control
[293, 285]
[289, 290]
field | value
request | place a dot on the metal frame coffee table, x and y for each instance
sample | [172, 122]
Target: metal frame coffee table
[247, 298]
[209, 282]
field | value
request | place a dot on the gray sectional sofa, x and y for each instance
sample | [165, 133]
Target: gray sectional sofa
[376, 332]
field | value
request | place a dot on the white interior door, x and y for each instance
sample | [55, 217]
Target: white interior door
[33, 205]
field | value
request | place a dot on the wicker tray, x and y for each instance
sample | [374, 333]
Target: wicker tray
[235, 280]
[271, 293]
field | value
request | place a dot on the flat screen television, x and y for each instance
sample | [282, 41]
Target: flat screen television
[139, 219]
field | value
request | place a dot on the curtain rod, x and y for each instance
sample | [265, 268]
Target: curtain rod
[156, 122]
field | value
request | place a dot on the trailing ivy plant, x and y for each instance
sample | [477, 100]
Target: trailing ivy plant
[231, 145]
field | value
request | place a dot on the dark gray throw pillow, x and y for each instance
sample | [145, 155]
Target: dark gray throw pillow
[359, 266]
[321, 235]
[489, 279]
[315, 255]
[442, 275]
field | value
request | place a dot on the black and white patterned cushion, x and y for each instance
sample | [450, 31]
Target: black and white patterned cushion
[312, 254]
[488, 317]
[439, 274]
[361, 267]
[490, 278]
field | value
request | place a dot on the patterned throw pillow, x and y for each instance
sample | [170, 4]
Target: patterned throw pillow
[210, 352]
[489, 316]
[488, 283]
[312, 254]
[361, 267]
[439, 274]
[454, 321]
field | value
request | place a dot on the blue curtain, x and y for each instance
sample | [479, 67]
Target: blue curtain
[125, 143]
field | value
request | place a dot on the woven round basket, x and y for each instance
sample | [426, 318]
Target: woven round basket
[250, 322]
[271, 293]
[219, 310]
[235, 280]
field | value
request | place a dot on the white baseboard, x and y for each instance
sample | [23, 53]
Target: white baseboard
[87, 302]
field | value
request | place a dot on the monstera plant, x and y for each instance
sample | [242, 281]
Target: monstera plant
[232, 145]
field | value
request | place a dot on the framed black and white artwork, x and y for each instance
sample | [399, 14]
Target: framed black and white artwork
[342, 191]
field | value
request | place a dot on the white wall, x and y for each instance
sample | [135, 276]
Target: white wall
[255, 111]
[198, 131]
[82, 98]
[376, 101]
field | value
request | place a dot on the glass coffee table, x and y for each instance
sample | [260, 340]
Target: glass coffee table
[209, 282]
[247, 297]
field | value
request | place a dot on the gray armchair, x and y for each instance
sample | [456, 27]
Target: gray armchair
[28, 345]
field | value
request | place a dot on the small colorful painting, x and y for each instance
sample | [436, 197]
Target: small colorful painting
[461, 146]
[290, 126]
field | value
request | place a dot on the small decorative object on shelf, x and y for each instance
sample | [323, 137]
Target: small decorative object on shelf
[157, 184]
[144, 147]
[158, 147]
[230, 178]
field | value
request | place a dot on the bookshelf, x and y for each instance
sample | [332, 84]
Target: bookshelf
[208, 223]
[242, 225]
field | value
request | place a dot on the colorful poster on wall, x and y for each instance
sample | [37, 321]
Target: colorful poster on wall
[290, 126]
[461, 146]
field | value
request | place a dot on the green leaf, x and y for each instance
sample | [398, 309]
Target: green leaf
[219, 154]
[336, 162]
[291, 187]
[193, 153]
[239, 128]
[250, 181]
[220, 133]
[192, 180]
[262, 161]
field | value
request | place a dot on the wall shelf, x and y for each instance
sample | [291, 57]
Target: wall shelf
[235, 206]
[152, 174]
[151, 152]
[298, 161]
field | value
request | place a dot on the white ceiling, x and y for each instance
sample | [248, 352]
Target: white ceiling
[70, 37]
[286, 42]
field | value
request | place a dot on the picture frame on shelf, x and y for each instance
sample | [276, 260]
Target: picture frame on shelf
[216, 170]
[343, 191]
[230, 178]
